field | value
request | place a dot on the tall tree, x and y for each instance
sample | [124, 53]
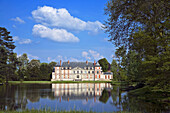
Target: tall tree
[22, 66]
[45, 71]
[142, 26]
[33, 70]
[114, 69]
[104, 64]
[7, 57]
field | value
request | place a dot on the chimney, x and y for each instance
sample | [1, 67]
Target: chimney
[68, 62]
[94, 62]
[60, 62]
[86, 62]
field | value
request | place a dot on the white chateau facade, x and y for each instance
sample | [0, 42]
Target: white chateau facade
[80, 71]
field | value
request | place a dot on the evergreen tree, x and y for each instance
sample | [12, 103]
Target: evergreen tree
[7, 57]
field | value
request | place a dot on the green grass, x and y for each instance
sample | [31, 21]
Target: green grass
[81, 82]
[30, 82]
[50, 82]
[118, 83]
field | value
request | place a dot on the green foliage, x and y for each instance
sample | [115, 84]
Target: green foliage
[104, 64]
[33, 70]
[22, 66]
[140, 30]
[45, 71]
[114, 70]
[7, 57]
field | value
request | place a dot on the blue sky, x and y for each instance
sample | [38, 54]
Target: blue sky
[50, 30]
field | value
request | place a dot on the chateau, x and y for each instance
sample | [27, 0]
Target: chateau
[80, 71]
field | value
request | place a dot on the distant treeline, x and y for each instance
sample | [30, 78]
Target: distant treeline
[20, 68]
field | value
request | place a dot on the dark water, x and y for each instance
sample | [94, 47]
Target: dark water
[99, 97]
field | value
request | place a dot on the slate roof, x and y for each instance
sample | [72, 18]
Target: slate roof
[77, 64]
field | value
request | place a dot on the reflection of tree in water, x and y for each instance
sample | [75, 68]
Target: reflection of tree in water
[104, 97]
[135, 103]
[143, 104]
[116, 97]
[37, 91]
[10, 99]
[13, 97]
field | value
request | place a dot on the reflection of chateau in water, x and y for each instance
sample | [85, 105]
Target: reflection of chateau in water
[79, 91]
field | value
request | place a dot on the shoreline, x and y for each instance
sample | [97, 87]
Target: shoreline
[51, 82]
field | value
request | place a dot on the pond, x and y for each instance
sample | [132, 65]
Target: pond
[99, 97]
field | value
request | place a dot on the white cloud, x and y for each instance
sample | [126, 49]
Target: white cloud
[25, 41]
[22, 41]
[18, 55]
[14, 26]
[95, 54]
[92, 54]
[85, 54]
[32, 56]
[49, 58]
[58, 35]
[17, 19]
[15, 38]
[61, 18]
[73, 59]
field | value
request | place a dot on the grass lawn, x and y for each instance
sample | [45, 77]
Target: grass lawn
[81, 81]
[31, 82]
[50, 82]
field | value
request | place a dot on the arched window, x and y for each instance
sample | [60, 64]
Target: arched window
[77, 76]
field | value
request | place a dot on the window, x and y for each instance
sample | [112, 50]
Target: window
[89, 72]
[97, 72]
[77, 71]
[92, 71]
[53, 76]
[77, 76]
[81, 71]
[74, 72]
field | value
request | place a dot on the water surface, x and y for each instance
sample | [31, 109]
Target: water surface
[99, 97]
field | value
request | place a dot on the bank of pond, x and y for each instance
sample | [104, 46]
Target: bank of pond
[80, 98]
